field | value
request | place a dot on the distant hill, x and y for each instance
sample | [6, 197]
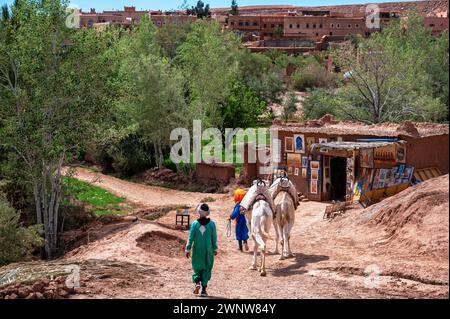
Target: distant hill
[432, 8]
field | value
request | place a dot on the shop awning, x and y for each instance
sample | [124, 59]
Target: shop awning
[343, 148]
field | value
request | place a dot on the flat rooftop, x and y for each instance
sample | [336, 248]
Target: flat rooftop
[328, 126]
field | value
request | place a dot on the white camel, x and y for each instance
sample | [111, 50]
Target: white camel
[259, 200]
[285, 198]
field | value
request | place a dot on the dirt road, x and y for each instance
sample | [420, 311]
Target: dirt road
[138, 194]
[328, 262]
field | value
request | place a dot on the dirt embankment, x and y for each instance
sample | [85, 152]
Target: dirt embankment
[414, 222]
[403, 240]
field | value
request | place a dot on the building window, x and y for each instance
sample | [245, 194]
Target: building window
[356, 25]
[290, 26]
[338, 26]
[255, 24]
[314, 26]
[331, 33]
[232, 23]
[349, 26]
[320, 26]
[247, 24]
[265, 25]
[307, 26]
[298, 26]
[317, 34]
[332, 25]
[241, 24]
[272, 25]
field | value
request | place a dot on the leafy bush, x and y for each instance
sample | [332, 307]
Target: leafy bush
[127, 155]
[16, 241]
[186, 168]
[289, 106]
[75, 216]
[169, 164]
[310, 76]
[243, 107]
[15, 191]
[320, 102]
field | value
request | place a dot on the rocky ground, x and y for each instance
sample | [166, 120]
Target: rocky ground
[395, 249]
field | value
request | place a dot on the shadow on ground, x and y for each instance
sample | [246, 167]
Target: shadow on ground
[300, 261]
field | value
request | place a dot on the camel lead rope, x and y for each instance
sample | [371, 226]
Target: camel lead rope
[229, 229]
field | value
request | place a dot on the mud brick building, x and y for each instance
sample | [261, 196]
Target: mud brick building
[290, 26]
[129, 16]
[329, 160]
[212, 173]
[125, 18]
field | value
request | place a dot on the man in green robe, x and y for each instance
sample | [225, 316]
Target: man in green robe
[203, 242]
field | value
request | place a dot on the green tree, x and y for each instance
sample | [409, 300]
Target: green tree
[289, 106]
[320, 102]
[16, 241]
[209, 60]
[278, 33]
[234, 8]
[242, 108]
[310, 74]
[170, 36]
[5, 14]
[397, 74]
[200, 10]
[257, 72]
[152, 93]
[156, 102]
[51, 100]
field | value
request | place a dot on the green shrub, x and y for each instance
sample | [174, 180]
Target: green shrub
[310, 76]
[320, 102]
[169, 164]
[75, 216]
[16, 241]
[186, 168]
[127, 155]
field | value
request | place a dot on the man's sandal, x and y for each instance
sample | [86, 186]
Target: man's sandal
[197, 289]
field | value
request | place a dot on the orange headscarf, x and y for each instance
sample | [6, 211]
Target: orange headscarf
[239, 195]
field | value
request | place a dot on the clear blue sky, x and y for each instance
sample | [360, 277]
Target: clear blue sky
[174, 4]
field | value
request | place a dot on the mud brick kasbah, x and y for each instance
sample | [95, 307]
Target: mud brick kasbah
[303, 29]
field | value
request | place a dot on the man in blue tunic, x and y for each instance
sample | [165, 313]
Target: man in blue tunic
[241, 221]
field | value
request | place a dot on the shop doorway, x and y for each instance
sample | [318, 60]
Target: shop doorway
[338, 178]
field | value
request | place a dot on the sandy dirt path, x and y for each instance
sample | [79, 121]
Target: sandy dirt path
[138, 194]
[327, 264]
